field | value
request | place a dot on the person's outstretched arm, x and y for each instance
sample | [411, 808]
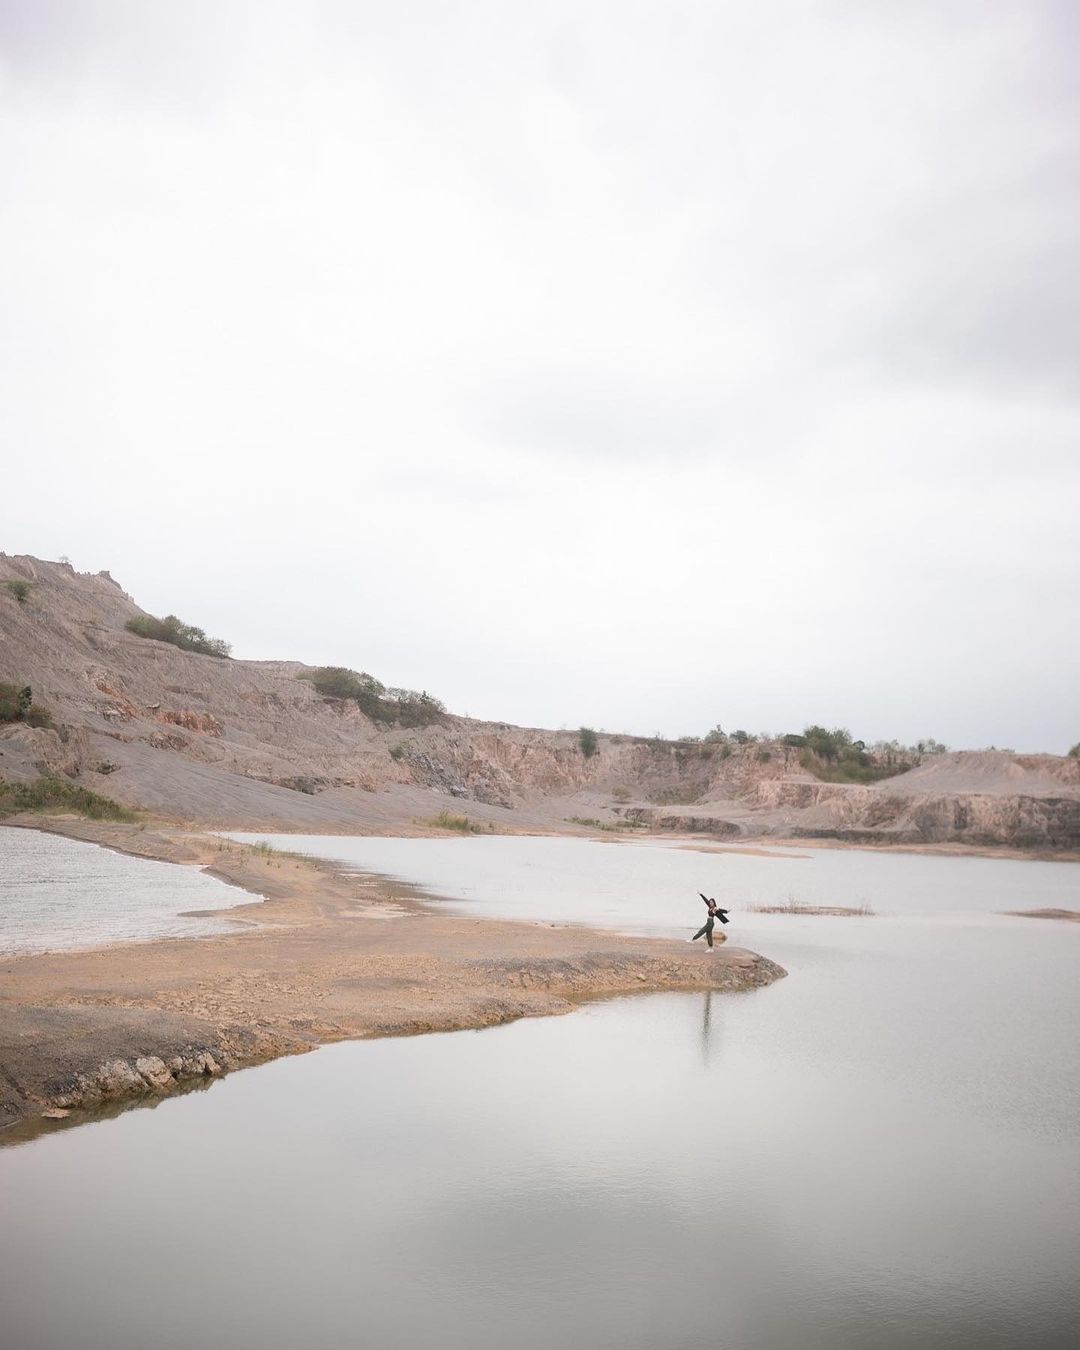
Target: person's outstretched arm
[705, 898]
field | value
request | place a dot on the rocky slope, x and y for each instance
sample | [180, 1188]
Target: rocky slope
[250, 744]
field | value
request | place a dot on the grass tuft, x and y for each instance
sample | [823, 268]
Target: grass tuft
[793, 906]
[20, 590]
[57, 794]
[446, 820]
[609, 826]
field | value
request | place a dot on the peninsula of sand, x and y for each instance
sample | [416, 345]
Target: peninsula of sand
[323, 957]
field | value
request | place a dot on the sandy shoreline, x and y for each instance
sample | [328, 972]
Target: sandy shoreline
[324, 958]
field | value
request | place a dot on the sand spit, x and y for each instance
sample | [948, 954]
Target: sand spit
[1068, 915]
[827, 911]
[325, 957]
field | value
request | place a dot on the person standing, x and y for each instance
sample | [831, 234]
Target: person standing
[715, 912]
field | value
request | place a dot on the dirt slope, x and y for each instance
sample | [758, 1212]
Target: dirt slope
[249, 744]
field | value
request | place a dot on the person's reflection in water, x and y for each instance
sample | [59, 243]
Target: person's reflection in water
[706, 1025]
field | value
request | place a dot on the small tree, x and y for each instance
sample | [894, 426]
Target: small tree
[1074, 753]
[588, 742]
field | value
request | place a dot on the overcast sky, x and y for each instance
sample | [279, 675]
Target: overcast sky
[646, 366]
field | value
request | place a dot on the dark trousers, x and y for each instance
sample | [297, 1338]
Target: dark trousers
[705, 932]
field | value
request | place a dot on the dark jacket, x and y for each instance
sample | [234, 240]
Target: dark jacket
[715, 912]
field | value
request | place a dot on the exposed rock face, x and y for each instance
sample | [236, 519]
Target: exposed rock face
[120, 1080]
[250, 744]
[714, 826]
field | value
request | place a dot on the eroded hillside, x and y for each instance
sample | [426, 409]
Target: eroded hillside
[252, 744]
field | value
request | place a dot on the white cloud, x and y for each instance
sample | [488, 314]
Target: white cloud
[638, 365]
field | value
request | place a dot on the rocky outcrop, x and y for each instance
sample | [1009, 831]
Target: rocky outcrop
[680, 823]
[120, 1079]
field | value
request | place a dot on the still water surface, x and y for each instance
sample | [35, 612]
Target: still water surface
[882, 1150]
[58, 894]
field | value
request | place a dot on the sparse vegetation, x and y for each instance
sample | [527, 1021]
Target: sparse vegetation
[274, 857]
[398, 751]
[14, 702]
[17, 705]
[1074, 753]
[685, 794]
[178, 634]
[793, 906]
[406, 707]
[835, 757]
[57, 794]
[622, 794]
[20, 590]
[587, 739]
[446, 820]
[609, 826]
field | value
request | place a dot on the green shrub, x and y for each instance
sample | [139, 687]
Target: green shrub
[20, 590]
[445, 820]
[413, 709]
[1074, 753]
[57, 794]
[608, 826]
[407, 707]
[179, 634]
[15, 702]
[588, 742]
[17, 705]
[834, 757]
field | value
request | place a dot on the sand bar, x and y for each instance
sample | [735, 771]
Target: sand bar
[326, 957]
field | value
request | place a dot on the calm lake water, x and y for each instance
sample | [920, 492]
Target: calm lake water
[58, 893]
[882, 1150]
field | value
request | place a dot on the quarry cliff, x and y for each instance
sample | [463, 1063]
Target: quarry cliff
[253, 744]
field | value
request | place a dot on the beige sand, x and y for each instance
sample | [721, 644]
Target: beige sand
[324, 958]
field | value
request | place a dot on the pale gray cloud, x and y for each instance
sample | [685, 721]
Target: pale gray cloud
[636, 364]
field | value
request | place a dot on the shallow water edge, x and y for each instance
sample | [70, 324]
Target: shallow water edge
[325, 957]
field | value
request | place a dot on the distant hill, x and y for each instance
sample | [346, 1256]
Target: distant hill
[255, 744]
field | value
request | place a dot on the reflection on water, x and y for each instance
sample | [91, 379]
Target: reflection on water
[882, 1150]
[58, 894]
